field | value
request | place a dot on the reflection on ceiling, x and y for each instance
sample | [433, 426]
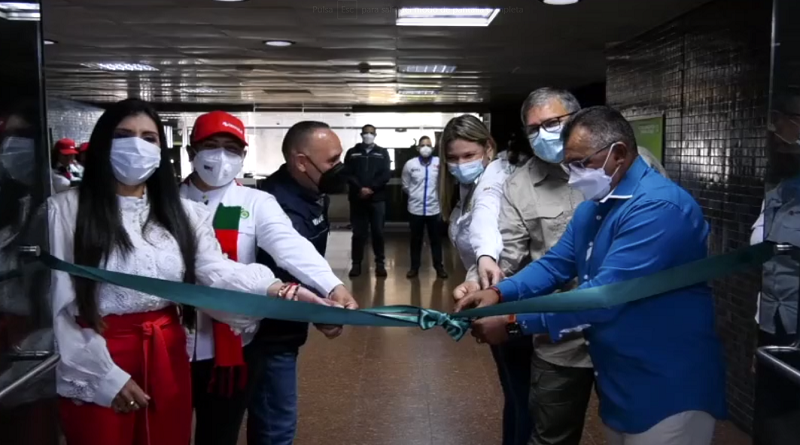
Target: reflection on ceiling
[325, 53]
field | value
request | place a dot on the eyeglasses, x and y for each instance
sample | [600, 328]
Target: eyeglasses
[581, 164]
[551, 125]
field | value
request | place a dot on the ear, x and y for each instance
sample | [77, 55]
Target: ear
[620, 153]
[300, 165]
[191, 152]
[244, 154]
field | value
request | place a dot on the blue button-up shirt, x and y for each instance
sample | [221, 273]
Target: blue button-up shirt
[654, 357]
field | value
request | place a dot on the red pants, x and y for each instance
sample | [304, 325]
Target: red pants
[151, 347]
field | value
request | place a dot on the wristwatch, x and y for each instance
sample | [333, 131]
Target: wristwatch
[513, 328]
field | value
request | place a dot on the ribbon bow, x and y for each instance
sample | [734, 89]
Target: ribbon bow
[424, 318]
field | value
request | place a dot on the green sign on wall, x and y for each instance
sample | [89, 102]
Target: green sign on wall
[649, 133]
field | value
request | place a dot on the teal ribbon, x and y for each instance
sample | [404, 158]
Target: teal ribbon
[456, 325]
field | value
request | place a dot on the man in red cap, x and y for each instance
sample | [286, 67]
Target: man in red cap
[65, 171]
[225, 365]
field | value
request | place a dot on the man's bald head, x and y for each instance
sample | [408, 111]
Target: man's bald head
[311, 148]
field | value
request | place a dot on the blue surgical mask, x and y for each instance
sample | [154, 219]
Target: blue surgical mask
[548, 146]
[468, 172]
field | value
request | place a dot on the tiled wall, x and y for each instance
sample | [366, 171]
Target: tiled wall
[68, 119]
[708, 73]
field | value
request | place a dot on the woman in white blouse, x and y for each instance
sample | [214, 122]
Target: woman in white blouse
[469, 151]
[124, 376]
[468, 148]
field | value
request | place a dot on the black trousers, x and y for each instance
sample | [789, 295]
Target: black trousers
[513, 360]
[418, 225]
[218, 416]
[559, 398]
[367, 217]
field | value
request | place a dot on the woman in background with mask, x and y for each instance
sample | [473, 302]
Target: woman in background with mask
[469, 151]
[224, 365]
[419, 181]
[124, 375]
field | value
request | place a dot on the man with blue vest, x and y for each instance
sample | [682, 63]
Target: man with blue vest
[658, 361]
[312, 171]
[419, 180]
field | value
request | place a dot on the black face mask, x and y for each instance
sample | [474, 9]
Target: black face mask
[332, 181]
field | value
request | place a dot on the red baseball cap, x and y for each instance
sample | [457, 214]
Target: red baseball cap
[66, 147]
[83, 147]
[217, 122]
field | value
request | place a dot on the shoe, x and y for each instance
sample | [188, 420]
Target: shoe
[380, 270]
[413, 273]
[441, 274]
[355, 271]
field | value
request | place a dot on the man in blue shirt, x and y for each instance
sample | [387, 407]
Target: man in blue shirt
[658, 361]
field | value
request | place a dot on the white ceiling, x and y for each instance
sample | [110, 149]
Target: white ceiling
[219, 46]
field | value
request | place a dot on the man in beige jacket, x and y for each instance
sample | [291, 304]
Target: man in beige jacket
[537, 205]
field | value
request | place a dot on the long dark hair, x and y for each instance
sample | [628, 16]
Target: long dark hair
[99, 229]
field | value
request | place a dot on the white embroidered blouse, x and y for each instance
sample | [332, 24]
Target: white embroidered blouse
[86, 371]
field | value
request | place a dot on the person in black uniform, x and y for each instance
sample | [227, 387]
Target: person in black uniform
[369, 170]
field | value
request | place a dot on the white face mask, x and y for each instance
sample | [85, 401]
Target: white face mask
[217, 167]
[593, 183]
[18, 159]
[134, 160]
[426, 151]
[368, 138]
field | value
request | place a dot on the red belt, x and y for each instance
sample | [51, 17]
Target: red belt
[149, 326]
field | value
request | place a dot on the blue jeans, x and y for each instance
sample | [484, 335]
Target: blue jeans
[513, 360]
[272, 414]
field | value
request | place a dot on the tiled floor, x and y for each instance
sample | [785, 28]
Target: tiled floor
[386, 386]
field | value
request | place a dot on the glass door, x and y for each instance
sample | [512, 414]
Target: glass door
[28, 412]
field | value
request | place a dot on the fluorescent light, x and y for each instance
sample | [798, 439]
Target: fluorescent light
[201, 90]
[446, 16]
[20, 11]
[120, 66]
[279, 43]
[427, 69]
[559, 2]
[418, 92]
[49, 42]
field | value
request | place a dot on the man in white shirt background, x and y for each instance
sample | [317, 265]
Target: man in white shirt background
[419, 180]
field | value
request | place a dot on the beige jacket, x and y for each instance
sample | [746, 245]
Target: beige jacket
[537, 206]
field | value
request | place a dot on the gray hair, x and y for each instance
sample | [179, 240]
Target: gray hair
[543, 96]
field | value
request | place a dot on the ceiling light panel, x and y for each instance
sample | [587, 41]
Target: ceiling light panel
[20, 11]
[559, 2]
[122, 67]
[446, 16]
[417, 92]
[427, 69]
[201, 90]
[279, 43]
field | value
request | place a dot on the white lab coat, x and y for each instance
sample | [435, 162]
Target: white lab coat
[420, 182]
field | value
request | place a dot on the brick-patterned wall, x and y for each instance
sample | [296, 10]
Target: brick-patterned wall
[708, 72]
[68, 119]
